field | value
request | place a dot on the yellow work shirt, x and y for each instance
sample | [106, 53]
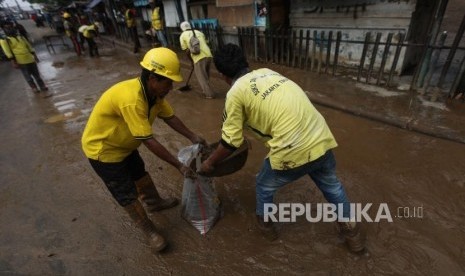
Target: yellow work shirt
[120, 121]
[279, 112]
[157, 24]
[204, 49]
[130, 22]
[69, 28]
[90, 31]
[18, 48]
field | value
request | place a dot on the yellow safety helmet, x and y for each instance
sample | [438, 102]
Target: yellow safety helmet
[66, 15]
[164, 62]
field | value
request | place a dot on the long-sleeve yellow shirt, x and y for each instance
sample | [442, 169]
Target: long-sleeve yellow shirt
[18, 48]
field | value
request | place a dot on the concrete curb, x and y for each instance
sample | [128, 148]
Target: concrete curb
[409, 124]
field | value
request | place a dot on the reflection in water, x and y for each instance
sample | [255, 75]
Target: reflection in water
[47, 70]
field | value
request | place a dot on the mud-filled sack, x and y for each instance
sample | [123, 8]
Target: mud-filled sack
[201, 206]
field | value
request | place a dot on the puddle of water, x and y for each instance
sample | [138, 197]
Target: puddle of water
[63, 117]
[66, 106]
[378, 90]
[57, 104]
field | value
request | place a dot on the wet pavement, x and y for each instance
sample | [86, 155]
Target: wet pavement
[57, 218]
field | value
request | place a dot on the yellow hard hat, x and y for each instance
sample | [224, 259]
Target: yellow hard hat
[66, 15]
[164, 62]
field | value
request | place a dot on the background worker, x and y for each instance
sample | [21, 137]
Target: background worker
[89, 33]
[129, 16]
[282, 116]
[202, 61]
[71, 31]
[158, 17]
[82, 39]
[120, 122]
[23, 56]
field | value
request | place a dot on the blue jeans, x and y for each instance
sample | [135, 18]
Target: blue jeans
[161, 38]
[322, 171]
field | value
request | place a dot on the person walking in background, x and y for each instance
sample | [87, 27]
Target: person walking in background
[89, 33]
[22, 31]
[120, 122]
[201, 61]
[82, 39]
[71, 31]
[23, 56]
[158, 17]
[129, 16]
[300, 141]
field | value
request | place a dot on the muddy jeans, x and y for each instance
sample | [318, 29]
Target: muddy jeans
[31, 73]
[322, 171]
[202, 72]
[119, 177]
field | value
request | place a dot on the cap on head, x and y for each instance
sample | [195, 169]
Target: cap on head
[185, 26]
[66, 15]
[164, 62]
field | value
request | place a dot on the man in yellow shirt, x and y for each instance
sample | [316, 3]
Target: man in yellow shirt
[22, 56]
[157, 21]
[129, 16]
[279, 112]
[71, 31]
[89, 33]
[120, 122]
[202, 61]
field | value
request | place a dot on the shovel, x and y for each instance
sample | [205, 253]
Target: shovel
[187, 87]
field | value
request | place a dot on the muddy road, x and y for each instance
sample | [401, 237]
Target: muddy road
[57, 218]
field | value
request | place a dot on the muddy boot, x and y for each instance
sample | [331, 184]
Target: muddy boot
[149, 195]
[267, 229]
[351, 233]
[138, 215]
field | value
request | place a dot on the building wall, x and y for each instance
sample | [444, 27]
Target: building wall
[354, 19]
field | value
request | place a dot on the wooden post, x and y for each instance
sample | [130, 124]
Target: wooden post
[396, 58]
[385, 55]
[307, 48]
[299, 55]
[336, 52]
[364, 53]
[373, 56]
[452, 51]
[314, 50]
[320, 56]
[328, 51]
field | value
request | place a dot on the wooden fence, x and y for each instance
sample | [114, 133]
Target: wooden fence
[321, 51]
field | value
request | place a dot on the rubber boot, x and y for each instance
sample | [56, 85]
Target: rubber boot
[351, 233]
[149, 195]
[138, 215]
[267, 229]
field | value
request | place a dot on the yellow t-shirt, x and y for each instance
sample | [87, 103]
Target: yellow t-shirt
[204, 49]
[157, 24]
[90, 31]
[130, 21]
[279, 112]
[18, 47]
[120, 121]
